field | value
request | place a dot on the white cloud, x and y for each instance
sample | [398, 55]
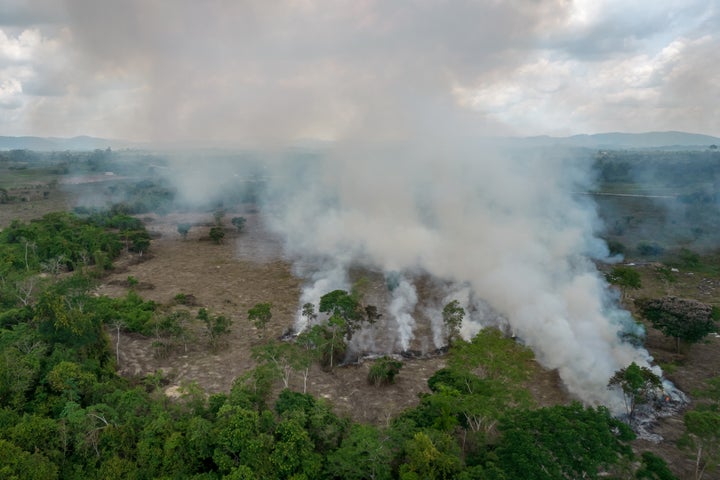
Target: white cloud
[270, 72]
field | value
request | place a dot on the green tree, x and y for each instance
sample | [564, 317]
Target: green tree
[687, 320]
[241, 440]
[383, 371]
[431, 455]
[702, 438]
[453, 315]
[16, 463]
[341, 304]
[216, 326]
[638, 385]
[279, 356]
[293, 454]
[218, 216]
[217, 234]
[544, 444]
[239, 223]
[653, 468]
[363, 454]
[183, 229]
[624, 278]
[260, 315]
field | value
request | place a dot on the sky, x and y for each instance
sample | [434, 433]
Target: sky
[283, 71]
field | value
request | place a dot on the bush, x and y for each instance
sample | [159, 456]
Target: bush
[217, 234]
[383, 371]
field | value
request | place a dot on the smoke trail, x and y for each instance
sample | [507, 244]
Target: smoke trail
[404, 299]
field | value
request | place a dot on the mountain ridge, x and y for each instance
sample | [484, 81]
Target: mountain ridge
[607, 140]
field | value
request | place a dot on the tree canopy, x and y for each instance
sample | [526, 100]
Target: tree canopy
[685, 319]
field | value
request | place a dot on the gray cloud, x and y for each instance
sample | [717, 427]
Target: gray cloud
[264, 72]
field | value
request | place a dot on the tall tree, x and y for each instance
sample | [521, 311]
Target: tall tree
[687, 320]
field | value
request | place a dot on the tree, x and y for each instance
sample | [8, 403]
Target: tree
[702, 429]
[383, 371]
[340, 303]
[453, 315]
[183, 229]
[216, 326]
[624, 277]
[117, 325]
[638, 384]
[294, 455]
[279, 356]
[685, 319]
[544, 444]
[217, 234]
[260, 315]
[431, 455]
[363, 454]
[306, 354]
[218, 216]
[239, 223]
[702, 437]
[653, 468]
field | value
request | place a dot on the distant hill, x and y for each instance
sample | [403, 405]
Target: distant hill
[55, 143]
[610, 141]
[618, 140]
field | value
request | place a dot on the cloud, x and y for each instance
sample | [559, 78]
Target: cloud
[268, 72]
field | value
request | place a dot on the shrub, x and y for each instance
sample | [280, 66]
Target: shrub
[383, 371]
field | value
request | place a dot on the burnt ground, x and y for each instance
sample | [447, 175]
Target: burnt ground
[249, 268]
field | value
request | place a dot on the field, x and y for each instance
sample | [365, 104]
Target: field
[249, 267]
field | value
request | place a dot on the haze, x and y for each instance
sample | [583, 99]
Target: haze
[258, 72]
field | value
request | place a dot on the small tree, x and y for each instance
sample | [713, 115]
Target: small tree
[183, 229]
[702, 438]
[217, 234]
[685, 319]
[453, 315]
[218, 216]
[260, 315]
[638, 385]
[308, 311]
[278, 356]
[216, 326]
[383, 371]
[239, 223]
[624, 277]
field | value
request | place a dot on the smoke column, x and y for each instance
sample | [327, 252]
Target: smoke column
[404, 299]
[503, 225]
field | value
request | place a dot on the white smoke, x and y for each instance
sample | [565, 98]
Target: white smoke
[322, 281]
[504, 226]
[404, 299]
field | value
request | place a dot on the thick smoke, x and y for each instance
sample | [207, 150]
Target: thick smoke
[404, 299]
[504, 228]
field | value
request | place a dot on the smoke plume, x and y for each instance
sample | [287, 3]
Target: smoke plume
[502, 228]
